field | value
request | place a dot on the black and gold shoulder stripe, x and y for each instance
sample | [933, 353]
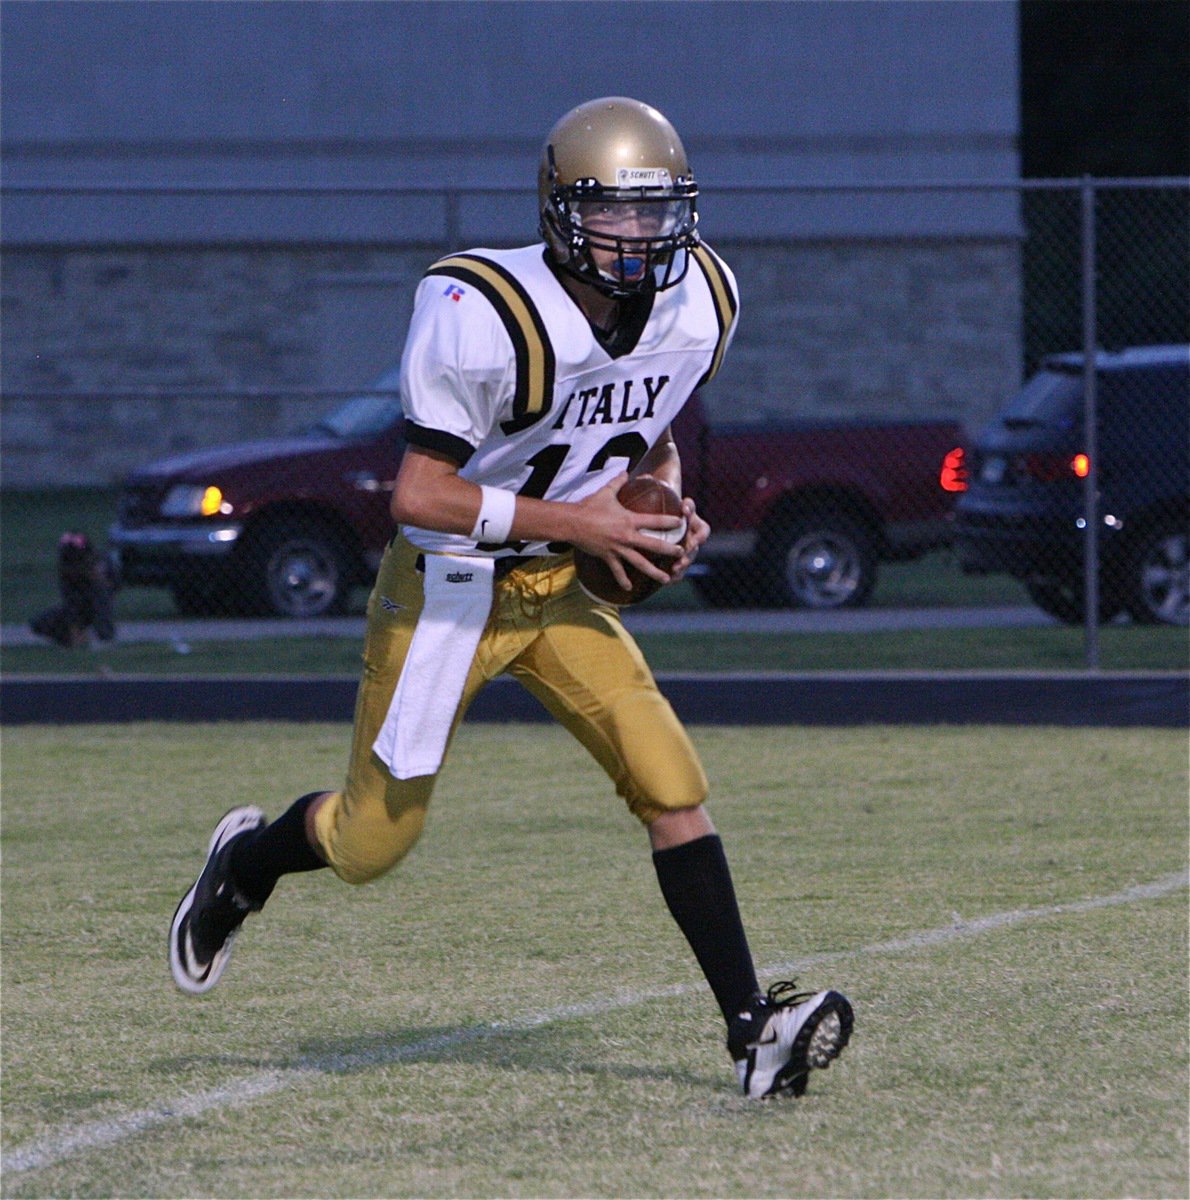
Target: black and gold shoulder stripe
[535, 365]
[726, 305]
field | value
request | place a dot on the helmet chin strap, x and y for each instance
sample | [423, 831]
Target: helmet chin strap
[635, 276]
[585, 271]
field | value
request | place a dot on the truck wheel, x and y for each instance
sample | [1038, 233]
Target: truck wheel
[1157, 584]
[298, 569]
[822, 560]
[1064, 599]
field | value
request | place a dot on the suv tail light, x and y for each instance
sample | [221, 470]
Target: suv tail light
[1050, 468]
[953, 476]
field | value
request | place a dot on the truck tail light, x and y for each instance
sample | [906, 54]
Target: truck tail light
[953, 476]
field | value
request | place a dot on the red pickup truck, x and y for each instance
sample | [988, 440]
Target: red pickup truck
[801, 513]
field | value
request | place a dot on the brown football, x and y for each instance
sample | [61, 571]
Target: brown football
[642, 494]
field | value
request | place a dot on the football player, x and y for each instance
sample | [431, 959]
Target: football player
[534, 382]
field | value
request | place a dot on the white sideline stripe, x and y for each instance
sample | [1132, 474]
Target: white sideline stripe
[69, 1141]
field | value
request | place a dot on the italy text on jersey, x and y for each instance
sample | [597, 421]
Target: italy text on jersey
[502, 371]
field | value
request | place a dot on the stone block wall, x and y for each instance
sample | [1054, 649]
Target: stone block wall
[115, 357]
[875, 329]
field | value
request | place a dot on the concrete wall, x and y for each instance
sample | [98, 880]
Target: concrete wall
[177, 99]
[178, 213]
[461, 93]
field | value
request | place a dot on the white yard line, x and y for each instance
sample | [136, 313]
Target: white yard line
[69, 1140]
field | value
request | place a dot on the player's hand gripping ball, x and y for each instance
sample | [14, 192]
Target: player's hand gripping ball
[642, 494]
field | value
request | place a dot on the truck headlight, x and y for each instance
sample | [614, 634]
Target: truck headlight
[193, 500]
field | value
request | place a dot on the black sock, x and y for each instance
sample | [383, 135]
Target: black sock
[696, 883]
[259, 859]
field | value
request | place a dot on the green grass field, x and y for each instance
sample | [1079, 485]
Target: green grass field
[1053, 648]
[512, 1012]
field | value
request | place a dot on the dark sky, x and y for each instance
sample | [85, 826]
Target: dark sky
[1105, 87]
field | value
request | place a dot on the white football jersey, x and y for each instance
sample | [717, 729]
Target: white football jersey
[503, 373]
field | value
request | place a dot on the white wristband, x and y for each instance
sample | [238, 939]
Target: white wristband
[496, 512]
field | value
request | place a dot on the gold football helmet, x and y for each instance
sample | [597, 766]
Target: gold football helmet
[616, 197]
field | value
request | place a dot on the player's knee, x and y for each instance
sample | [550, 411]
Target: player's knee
[366, 848]
[659, 771]
[678, 785]
[362, 862]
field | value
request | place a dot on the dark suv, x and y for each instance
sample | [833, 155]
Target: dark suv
[1023, 509]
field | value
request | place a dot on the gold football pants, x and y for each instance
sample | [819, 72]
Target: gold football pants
[571, 652]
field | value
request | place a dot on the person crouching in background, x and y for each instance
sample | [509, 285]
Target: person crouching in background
[86, 586]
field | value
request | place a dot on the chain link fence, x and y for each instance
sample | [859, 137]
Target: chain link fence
[1078, 487]
[915, 418]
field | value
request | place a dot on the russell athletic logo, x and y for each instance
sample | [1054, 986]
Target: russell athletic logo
[460, 577]
[454, 292]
